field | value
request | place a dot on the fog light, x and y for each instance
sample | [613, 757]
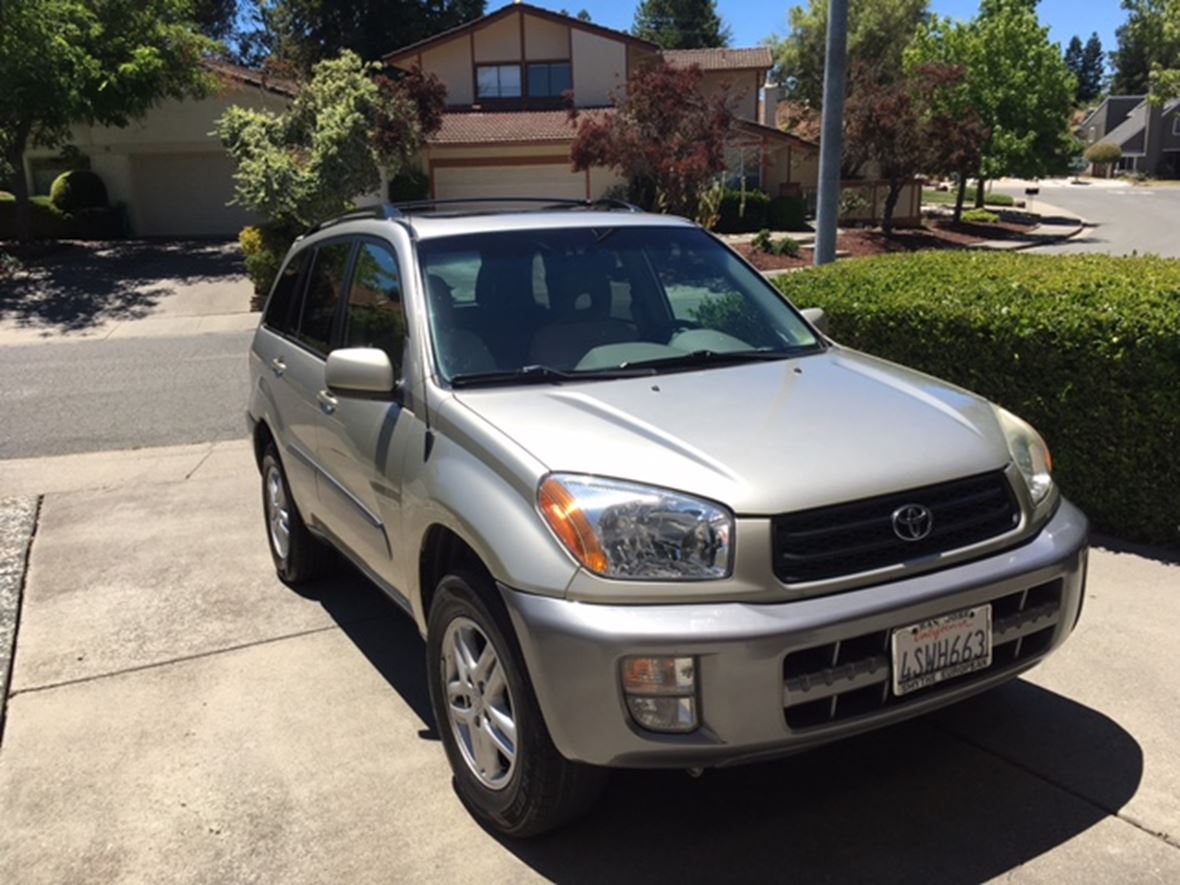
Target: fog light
[661, 692]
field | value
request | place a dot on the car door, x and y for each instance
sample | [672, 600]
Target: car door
[363, 441]
[305, 358]
[293, 416]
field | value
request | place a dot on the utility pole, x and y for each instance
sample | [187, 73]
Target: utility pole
[828, 201]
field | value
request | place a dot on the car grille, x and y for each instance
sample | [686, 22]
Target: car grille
[852, 677]
[844, 539]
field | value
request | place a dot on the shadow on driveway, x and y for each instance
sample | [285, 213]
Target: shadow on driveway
[84, 284]
[962, 795]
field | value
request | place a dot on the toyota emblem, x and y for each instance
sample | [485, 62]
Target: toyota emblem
[913, 522]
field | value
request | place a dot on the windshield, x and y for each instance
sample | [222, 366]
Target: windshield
[584, 302]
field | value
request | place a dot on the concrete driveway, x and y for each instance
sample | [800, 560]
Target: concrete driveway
[127, 288]
[178, 715]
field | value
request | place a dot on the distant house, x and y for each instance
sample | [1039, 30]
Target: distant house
[1149, 136]
[168, 168]
[507, 132]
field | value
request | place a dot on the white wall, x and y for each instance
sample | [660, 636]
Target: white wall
[600, 65]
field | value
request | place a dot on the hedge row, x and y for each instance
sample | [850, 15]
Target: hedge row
[1086, 348]
[754, 211]
[49, 223]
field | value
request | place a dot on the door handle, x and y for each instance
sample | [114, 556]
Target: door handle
[327, 402]
[278, 366]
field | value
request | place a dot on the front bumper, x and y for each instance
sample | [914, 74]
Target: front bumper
[573, 650]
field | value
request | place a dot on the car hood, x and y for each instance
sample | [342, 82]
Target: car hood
[762, 438]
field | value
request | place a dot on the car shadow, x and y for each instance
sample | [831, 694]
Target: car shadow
[961, 795]
[83, 284]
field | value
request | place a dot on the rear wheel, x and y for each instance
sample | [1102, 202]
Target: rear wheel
[507, 770]
[298, 555]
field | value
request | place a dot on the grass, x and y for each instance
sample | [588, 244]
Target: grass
[947, 198]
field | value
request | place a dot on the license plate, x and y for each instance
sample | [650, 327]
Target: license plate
[942, 648]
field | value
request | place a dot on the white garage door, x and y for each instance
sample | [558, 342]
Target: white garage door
[185, 195]
[540, 180]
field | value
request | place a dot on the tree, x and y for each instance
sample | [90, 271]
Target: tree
[295, 34]
[1088, 66]
[66, 61]
[1103, 154]
[346, 125]
[1017, 82]
[1147, 38]
[680, 24]
[878, 33]
[216, 18]
[666, 137]
[956, 132]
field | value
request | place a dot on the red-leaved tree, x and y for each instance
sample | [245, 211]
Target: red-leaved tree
[666, 136]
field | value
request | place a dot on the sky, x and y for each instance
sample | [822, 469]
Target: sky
[754, 20]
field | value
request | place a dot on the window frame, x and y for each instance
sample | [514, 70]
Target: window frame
[340, 331]
[549, 64]
[334, 329]
[497, 66]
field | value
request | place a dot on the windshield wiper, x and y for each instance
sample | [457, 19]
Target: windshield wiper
[718, 358]
[544, 375]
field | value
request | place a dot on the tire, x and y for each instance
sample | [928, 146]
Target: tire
[537, 791]
[298, 555]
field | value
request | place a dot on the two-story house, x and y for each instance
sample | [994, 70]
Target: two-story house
[1148, 135]
[507, 130]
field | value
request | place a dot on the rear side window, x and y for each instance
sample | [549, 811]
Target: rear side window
[281, 311]
[375, 316]
[323, 291]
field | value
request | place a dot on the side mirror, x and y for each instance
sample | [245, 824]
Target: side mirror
[364, 372]
[817, 318]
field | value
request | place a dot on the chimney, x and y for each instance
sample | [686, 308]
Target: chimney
[772, 94]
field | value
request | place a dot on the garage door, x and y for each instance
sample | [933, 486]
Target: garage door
[185, 195]
[539, 180]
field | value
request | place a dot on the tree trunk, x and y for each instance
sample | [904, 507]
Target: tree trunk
[20, 184]
[979, 194]
[962, 195]
[891, 198]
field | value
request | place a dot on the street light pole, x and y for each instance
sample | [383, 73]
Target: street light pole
[828, 201]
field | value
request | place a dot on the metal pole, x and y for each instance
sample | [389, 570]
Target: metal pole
[828, 203]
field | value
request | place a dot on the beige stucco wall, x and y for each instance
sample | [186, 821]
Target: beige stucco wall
[791, 164]
[599, 66]
[545, 39]
[743, 90]
[499, 41]
[451, 63]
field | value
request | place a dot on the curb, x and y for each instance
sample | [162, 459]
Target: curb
[18, 526]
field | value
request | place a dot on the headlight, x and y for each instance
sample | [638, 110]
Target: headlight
[624, 530]
[1029, 452]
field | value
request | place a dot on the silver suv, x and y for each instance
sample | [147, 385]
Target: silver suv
[643, 511]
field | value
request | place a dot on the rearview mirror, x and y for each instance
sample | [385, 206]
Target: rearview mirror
[360, 372]
[817, 318]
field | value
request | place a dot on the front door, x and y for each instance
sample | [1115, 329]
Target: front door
[362, 441]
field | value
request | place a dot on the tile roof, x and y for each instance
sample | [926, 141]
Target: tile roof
[721, 59]
[253, 77]
[498, 127]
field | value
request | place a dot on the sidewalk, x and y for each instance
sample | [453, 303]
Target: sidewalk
[178, 715]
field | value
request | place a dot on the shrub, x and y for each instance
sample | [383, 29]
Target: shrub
[761, 241]
[1102, 154]
[980, 216]
[1086, 348]
[785, 246]
[50, 223]
[787, 213]
[264, 249]
[78, 189]
[999, 200]
[743, 213]
[410, 185]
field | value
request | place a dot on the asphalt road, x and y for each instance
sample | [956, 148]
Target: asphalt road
[59, 399]
[1126, 219]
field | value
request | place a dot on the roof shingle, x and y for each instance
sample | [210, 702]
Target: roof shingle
[758, 57]
[498, 127]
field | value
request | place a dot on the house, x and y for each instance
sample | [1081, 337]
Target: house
[506, 131]
[168, 168]
[1149, 136]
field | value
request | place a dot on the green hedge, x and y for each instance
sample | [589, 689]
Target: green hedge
[78, 189]
[264, 248]
[1086, 348]
[743, 214]
[49, 223]
[787, 213]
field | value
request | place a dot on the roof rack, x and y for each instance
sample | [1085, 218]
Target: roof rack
[380, 211]
[539, 202]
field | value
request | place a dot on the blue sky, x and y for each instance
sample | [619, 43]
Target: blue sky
[753, 20]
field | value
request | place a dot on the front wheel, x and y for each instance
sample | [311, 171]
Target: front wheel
[298, 555]
[507, 770]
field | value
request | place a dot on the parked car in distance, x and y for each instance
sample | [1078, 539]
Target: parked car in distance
[644, 512]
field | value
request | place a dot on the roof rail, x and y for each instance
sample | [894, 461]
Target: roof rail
[380, 211]
[539, 202]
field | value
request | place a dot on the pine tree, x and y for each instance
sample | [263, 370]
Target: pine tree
[680, 24]
[1093, 70]
[1073, 58]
